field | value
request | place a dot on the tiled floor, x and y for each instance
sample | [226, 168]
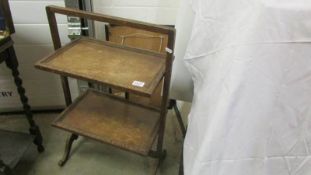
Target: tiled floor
[89, 157]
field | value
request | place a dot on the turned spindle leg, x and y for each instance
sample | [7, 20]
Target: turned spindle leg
[12, 63]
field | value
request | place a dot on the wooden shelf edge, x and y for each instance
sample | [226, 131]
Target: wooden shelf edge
[146, 93]
[71, 129]
[143, 152]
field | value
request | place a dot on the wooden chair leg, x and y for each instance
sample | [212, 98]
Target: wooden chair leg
[12, 63]
[68, 146]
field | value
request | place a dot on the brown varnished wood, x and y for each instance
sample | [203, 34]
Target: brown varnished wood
[162, 100]
[137, 38]
[52, 10]
[111, 120]
[143, 39]
[153, 101]
[110, 19]
[96, 61]
[166, 87]
[164, 75]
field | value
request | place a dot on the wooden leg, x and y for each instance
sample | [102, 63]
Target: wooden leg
[160, 153]
[73, 137]
[110, 90]
[90, 85]
[12, 63]
[159, 156]
[183, 130]
[69, 143]
[179, 119]
[173, 104]
[127, 95]
[181, 164]
[4, 169]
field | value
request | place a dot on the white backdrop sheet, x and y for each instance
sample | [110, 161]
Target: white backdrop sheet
[250, 61]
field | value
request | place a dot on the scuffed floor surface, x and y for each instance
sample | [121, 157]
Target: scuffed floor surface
[89, 157]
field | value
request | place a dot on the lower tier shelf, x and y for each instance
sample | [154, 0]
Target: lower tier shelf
[111, 120]
[13, 145]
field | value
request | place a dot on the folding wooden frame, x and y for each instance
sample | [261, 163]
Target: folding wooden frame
[159, 153]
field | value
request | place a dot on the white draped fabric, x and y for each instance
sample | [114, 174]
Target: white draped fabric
[250, 61]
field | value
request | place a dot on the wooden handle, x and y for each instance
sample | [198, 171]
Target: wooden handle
[110, 19]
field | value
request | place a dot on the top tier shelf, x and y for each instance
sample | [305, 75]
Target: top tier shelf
[121, 67]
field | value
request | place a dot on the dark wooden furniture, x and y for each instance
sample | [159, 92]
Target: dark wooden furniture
[7, 54]
[15, 143]
[103, 117]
